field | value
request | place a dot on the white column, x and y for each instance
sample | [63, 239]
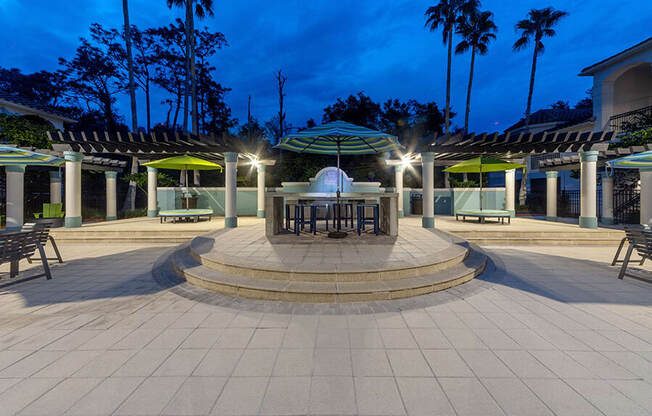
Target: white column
[510, 189]
[428, 184]
[261, 190]
[73, 189]
[607, 199]
[55, 186]
[111, 199]
[398, 182]
[447, 180]
[551, 195]
[230, 183]
[588, 186]
[646, 197]
[152, 206]
[15, 196]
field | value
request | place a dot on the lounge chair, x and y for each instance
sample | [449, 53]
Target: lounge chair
[639, 239]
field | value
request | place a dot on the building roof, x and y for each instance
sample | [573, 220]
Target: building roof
[590, 70]
[550, 115]
[37, 108]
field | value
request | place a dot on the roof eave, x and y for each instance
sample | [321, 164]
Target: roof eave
[36, 110]
[592, 69]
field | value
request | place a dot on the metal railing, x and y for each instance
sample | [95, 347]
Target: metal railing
[627, 206]
[568, 204]
[620, 122]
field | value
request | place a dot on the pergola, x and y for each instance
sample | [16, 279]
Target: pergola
[77, 147]
[588, 147]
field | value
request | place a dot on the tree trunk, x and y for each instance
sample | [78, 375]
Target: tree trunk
[529, 94]
[130, 66]
[193, 74]
[176, 112]
[188, 75]
[448, 81]
[468, 93]
[147, 104]
[130, 198]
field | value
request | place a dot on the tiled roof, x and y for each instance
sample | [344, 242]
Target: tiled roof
[550, 115]
[15, 99]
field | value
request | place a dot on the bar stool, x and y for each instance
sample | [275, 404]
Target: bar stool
[300, 218]
[348, 213]
[364, 220]
[288, 219]
[314, 216]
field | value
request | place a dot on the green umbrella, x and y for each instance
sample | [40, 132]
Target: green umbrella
[15, 156]
[482, 164]
[336, 138]
[184, 163]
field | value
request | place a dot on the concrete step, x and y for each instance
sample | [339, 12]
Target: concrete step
[189, 268]
[72, 236]
[201, 249]
[545, 241]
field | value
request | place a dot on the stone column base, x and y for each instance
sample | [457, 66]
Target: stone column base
[401, 214]
[111, 218]
[607, 221]
[152, 213]
[512, 213]
[72, 222]
[551, 218]
[428, 222]
[260, 213]
[588, 222]
[230, 222]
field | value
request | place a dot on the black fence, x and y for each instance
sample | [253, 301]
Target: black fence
[627, 207]
[568, 204]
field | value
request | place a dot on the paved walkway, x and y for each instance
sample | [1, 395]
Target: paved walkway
[549, 332]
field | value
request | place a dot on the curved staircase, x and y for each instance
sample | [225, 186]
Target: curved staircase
[203, 263]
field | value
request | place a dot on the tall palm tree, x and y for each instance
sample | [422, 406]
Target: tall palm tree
[538, 25]
[130, 199]
[200, 8]
[445, 14]
[477, 30]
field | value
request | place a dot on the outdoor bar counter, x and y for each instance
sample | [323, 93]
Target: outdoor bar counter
[275, 208]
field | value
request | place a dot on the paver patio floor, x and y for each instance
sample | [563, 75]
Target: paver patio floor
[548, 331]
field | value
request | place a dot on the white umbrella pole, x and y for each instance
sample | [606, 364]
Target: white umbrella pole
[187, 191]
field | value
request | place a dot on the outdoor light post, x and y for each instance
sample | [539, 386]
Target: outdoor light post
[55, 186]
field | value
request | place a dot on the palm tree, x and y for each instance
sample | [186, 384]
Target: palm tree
[201, 8]
[537, 26]
[446, 14]
[477, 30]
[130, 200]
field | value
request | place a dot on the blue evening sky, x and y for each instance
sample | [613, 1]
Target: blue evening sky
[332, 48]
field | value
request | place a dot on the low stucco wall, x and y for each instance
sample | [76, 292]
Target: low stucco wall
[449, 200]
[209, 197]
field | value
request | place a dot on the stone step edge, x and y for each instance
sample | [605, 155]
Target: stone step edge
[187, 268]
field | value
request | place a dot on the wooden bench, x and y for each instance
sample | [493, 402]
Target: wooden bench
[45, 237]
[638, 239]
[15, 246]
[187, 214]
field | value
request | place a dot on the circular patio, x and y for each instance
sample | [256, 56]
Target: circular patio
[242, 261]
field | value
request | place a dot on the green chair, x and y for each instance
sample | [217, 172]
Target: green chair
[51, 211]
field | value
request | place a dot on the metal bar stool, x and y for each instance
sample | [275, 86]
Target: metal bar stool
[347, 215]
[364, 220]
[300, 218]
[314, 216]
[288, 219]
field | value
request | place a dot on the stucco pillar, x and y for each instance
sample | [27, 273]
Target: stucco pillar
[588, 187]
[73, 189]
[111, 198]
[398, 182]
[646, 196]
[15, 196]
[551, 195]
[428, 183]
[607, 199]
[260, 212]
[152, 206]
[55, 186]
[447, 180]
[230, 183]
[510, 191]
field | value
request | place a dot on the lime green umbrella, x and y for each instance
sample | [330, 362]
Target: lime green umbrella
[482, 164]
[184, 163]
